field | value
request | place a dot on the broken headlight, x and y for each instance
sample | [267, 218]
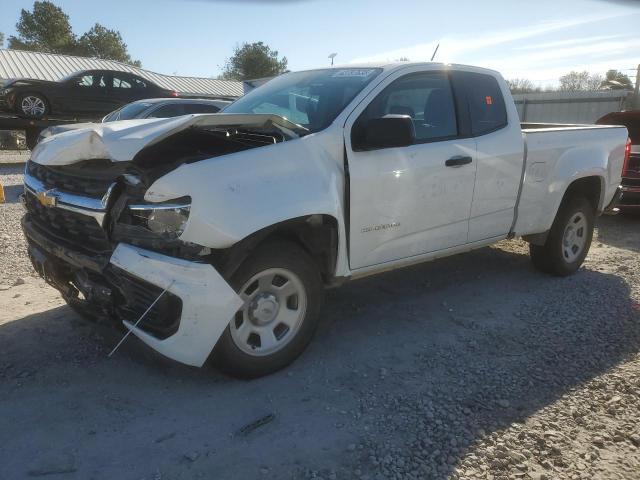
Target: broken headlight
[167, 219]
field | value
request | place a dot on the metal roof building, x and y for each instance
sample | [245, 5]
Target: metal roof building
[48, 66]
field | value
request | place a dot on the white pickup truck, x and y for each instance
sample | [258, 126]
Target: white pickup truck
[234, 223]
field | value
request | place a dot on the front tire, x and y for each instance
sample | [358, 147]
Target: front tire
[32, 105]
[283, 292]
[569, 239]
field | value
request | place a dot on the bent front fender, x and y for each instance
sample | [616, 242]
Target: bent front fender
[208, 302]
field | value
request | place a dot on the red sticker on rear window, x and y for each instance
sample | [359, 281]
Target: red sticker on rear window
[489, 100]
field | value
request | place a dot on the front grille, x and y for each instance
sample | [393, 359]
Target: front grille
[75, 228]
[162, 320]
[66, 179]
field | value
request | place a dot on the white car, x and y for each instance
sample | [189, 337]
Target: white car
[238, 221]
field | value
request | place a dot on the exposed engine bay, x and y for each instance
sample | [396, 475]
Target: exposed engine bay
[78, 213]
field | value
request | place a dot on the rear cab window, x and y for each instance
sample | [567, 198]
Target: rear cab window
[487, 110]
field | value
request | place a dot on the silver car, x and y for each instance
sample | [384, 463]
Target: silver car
[148, 108]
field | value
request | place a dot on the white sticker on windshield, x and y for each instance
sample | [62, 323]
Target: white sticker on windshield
[354, 72]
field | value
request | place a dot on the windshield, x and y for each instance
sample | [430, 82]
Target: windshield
[127, 112]
[312, 99]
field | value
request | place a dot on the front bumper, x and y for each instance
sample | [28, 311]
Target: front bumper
[7, 102]
[109, 283]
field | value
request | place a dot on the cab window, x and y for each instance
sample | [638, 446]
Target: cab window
[121, 82]
[85, 81]
[426, 97]
[138, 83]
[91, 80]
[485, 101]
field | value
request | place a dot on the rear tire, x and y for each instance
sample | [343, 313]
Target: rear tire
[569, 239]
[283, 293]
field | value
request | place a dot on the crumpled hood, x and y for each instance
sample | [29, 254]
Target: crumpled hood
[121, 141]
[57, 129]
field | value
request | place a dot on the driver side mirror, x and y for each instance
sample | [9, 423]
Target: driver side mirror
[388, 132]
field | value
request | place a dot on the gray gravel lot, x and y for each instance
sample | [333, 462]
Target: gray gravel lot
[475, 366]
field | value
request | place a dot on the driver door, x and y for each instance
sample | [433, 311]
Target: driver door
[415, 199]
[87, 93]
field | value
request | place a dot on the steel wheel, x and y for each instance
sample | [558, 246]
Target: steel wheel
[33, 106]
[574, 237]
[275, 303]
[569, 239]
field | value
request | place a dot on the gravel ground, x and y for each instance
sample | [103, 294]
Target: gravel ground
[475, 366]
[14, 156]
[12, 245]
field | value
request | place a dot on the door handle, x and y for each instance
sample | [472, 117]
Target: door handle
[458, 161]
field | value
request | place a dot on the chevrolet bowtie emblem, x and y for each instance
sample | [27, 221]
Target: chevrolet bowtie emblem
[48, 198]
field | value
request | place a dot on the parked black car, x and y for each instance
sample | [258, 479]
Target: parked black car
[87, 93]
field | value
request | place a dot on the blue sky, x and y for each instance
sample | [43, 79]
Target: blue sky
[537, 40]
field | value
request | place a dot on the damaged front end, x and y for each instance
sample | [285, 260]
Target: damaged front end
[92, 235]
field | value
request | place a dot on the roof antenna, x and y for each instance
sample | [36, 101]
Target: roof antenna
[434, 52]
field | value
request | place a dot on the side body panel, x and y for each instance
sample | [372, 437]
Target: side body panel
[558, 157]
[500, 158]
[500, 161]
[405, 202]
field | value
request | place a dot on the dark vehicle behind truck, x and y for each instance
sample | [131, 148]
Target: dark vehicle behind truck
[31, 127]
[631, 170]
[83, 93]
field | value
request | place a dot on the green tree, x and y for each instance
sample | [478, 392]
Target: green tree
[253, 60]
[47, 29]
[102, 42]
[1, 40]
[615, 80]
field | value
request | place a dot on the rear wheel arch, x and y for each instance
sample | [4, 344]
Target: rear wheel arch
[591, 188]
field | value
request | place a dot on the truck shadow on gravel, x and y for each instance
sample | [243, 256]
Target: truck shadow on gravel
[407, 372]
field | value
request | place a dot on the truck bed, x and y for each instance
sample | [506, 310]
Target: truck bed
[561, 151]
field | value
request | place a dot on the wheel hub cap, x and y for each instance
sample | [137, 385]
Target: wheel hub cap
[275, 303]
[264, 309]
[574, 238]
[33, 106]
